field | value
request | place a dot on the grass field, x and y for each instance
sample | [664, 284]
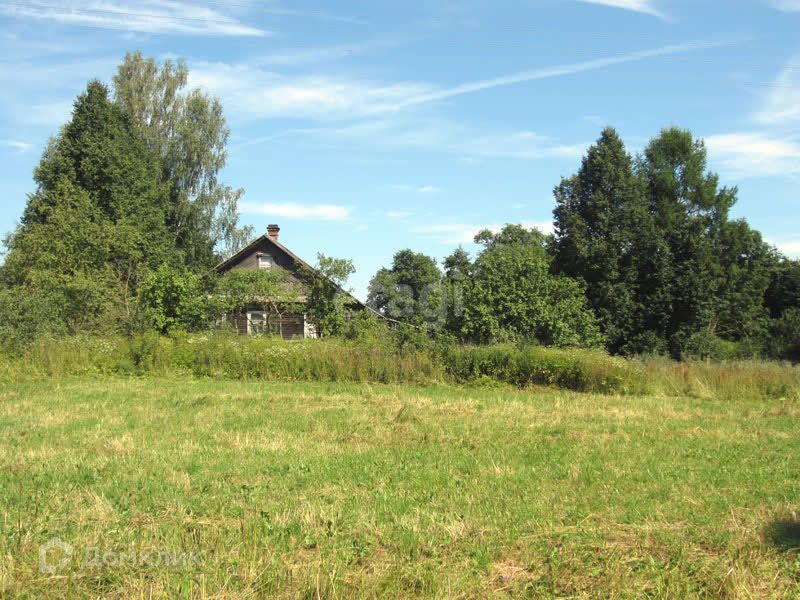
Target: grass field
[224, 489]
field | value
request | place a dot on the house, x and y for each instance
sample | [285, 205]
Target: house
[267, 252]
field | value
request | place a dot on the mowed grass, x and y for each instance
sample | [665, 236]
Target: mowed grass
[352, 490]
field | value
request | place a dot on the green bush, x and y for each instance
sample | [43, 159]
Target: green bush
[705, 345]
[173, 299]
[785, 339]
[581, 370]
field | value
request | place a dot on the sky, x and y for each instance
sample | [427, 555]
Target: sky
[363, 128]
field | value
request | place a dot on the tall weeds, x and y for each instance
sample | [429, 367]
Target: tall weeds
[221, 355]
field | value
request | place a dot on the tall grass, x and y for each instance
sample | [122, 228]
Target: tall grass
[596, 371]
[221, 355]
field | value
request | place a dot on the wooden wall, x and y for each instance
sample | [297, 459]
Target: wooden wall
[291, 326]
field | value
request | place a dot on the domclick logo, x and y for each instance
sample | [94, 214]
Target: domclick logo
[54, 556]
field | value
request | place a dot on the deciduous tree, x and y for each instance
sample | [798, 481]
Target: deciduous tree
[410, 291]
[187, 130]
[514, 295]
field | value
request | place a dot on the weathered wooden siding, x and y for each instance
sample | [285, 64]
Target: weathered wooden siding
[280, 259]
[291, 326]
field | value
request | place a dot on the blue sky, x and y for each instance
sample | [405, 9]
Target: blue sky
[363, 128]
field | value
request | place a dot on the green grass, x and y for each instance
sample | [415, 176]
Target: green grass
[220, 355]
[354, 490]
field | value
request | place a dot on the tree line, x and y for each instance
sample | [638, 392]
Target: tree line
[129, 217]
[644, 259]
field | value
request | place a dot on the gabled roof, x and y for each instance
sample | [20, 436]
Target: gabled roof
[230, 262]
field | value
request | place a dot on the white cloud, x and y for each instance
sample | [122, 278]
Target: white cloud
[256, 93]
[596, 120]
[424, 189]
[41, 92]
[790, 248]
[251, 92]
[146, 16]
[293, 210]
[49, 114]
[459, 233]
[521, 144]
[554, 71]
[313, 14]
[433, 133]
[17, 145]
[389, 115]
[640, 6]
[399, 214]
[754, 154]
[295, 57]
[782, 103]
[787, 5]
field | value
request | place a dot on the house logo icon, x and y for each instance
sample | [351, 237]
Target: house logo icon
[54, 556]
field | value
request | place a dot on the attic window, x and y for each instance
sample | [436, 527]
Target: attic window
[265, 261]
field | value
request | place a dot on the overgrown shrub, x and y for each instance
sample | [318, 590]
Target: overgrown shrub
[173, 299]
[705, 345]
[581, 370]
[785, 336]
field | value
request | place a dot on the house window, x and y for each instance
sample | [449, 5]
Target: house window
[265, 262]
[256, 322]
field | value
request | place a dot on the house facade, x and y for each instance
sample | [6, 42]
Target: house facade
[266, 252]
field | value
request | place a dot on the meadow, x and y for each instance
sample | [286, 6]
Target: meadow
[196, 487]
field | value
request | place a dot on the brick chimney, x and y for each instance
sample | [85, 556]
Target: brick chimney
[272, 232]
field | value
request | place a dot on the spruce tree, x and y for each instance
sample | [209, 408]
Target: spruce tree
[97, 219]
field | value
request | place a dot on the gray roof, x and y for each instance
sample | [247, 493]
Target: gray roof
[231, 261]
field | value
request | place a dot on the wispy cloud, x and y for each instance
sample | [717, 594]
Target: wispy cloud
[40, 93]
[787, 5]
[320, 15]
[469, 144]
[295, 57]
[782, 103]
[641, 6]
[422, 189]
[383, 115]
[293, 210]
[554, 71]
[521, 144]
[446, 15]
[17, 145]
[252, 92]
[258, 93]
[399, 214]
[460, 233]
[755, 154]
[147, 16]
